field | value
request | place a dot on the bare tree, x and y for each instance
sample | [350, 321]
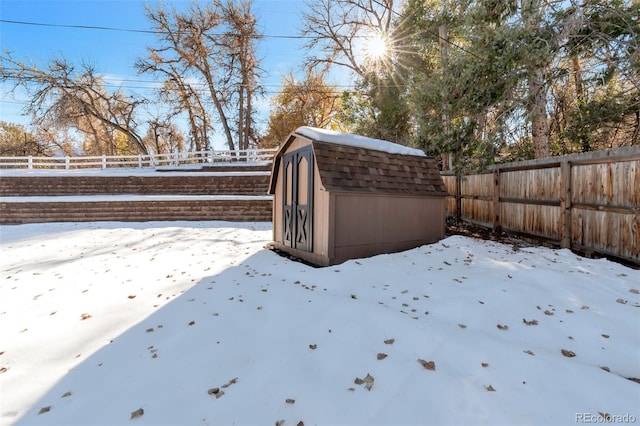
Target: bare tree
[208, 52]
[60, 94]
[337, 28]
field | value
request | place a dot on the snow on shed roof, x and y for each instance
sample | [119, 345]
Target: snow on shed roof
[331, 136]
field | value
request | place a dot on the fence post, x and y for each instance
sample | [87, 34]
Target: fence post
[176, 161]
[104, 162]
[496, 200]
[67, 162]
[213, 155]
[30, 162]
[565, 204]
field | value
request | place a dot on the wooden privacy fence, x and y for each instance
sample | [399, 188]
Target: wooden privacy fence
[588, 202]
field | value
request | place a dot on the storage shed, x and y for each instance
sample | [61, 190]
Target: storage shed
[338, 197]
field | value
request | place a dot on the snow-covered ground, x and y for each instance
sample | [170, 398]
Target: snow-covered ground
[195, 323]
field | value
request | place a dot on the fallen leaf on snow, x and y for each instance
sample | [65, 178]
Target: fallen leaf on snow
[606, 416]
[137, 413]
[462, 326]
[368, 380]
[485, 364]
[605, 368]
[381, 356]
[131, 296]
[429, 365]
[85, 316]
[502, 327]
[389, 341]
[44, 410]
[3, 369]
[569, 354]
[622, 301]
[216, 391]
[634, 291]
[532, 322]
[313, 346]
[490, 388]
[548, 312]
[529, 352]
[192, 322]
[280, 422]
[290, 401]
[66, 394]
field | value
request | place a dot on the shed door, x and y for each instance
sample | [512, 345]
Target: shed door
[298, 199]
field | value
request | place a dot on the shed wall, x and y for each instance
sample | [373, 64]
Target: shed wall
[365, 224]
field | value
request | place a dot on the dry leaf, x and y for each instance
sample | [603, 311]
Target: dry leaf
[280, 422]
[66, 394]
[381, 356]
[358, 381]
[137, 413]
[605, 368]
[634, 291]
[368, 380]
[3, 370]
[624, 302]
[606, 336]
[192, 322]
[389, 341]
[85, 316]
[44, 410]
[485, 365]
[300, 423]
[290, 401]
[131, 296]
[529, 352]
[490, 388]
[567, 353]
[313, 346]
[548, 312]
[216, 391]
[502, 327]
[532, 322]
[462, 326]
[605, 416]
[429, 365]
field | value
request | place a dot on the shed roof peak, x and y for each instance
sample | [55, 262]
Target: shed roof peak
[331, 136]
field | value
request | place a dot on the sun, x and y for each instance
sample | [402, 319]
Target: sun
[376, 46]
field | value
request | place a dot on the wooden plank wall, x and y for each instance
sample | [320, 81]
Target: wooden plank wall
[588, 202]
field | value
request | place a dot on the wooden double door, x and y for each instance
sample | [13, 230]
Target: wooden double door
[298, 199]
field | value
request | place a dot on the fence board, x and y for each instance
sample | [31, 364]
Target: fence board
[589, 201]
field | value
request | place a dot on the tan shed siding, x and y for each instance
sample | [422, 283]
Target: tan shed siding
[385, 223]
[320, 217]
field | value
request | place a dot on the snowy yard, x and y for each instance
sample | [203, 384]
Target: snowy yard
[184, 323]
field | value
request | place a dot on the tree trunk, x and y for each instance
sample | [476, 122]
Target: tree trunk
[537, 109]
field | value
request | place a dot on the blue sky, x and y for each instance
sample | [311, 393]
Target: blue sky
[114, 52]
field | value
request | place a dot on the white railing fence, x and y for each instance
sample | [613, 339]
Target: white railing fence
[176, 159]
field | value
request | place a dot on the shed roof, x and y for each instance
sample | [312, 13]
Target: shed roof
[354, 168]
